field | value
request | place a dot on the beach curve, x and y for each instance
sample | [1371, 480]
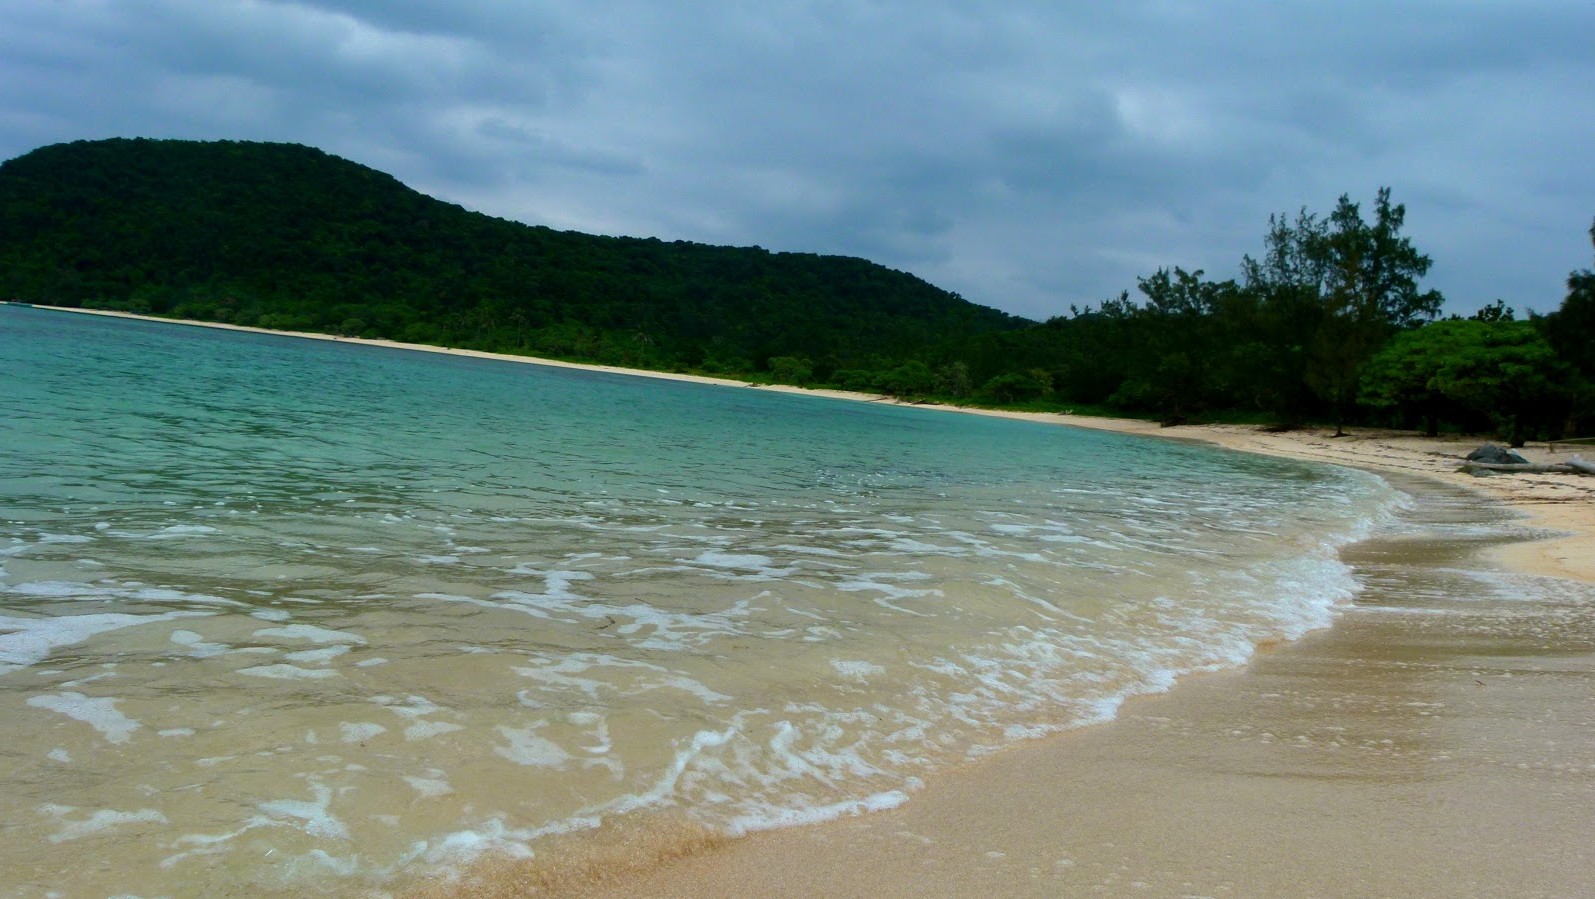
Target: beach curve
[1559, 507]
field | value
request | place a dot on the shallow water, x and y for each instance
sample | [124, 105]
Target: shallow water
[300, 615]
[1437, 741]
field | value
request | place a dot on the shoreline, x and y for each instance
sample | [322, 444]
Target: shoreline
[1427, 744]
[1436, 740]
[1272, 778]
[1558, 503]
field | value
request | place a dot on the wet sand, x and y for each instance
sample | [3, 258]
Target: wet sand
[1430, 743]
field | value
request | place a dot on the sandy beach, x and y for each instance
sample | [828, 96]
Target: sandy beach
[1422, 746]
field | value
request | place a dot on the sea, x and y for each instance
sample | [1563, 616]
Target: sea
[295, 616]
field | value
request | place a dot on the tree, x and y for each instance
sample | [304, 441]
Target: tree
[1497, 311]
[855, 379]
[1290, 259]
[952, 379]
[1512, 375]
[791, 370]
[1177, 362]
[1016, 386]
[1503, 372]
[1368, 290]
[1403, 375]
[1371, 270]
[912, 378]
[1571, 330]
[1285, 289]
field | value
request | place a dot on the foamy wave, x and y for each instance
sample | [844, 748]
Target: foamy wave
[184, 530]
[646, 626]
[856, 669]
[313, 816]
[197, 645]
[777, 818]
[130, 592]
[45, 538]
[629, 678]
[311, 633]
[97, 822]
[99, 713]
[288, 672]
[524, 747]
[744, 566]
[33, 639]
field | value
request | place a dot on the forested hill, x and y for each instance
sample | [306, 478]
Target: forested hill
[286, 236]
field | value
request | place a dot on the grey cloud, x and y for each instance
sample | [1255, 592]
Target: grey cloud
[542, 148]
[1028, 155]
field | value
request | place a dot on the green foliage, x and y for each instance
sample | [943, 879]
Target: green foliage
[1401, 376]
[911, 379]
[1514, 376]
[1336, 289]
[1290, 342]
[1369, 290]
[1502, 371]
[1283, 314]
[1497, 311]
[1569, 329]
[1018, 387]
[1178, 364]
[854, 379]
[1371, 272]
[952, 380]
[791, 370]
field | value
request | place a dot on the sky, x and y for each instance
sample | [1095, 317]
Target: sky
[1027, 155]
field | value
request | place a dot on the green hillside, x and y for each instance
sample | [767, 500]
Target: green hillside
[286, 236]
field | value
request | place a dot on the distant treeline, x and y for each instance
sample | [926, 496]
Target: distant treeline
[1328, 324]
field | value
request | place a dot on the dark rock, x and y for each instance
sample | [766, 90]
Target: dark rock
[1494, 455]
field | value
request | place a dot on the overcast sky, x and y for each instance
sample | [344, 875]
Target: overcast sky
[1029, 155]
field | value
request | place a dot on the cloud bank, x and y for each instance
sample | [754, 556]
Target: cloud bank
[1027, 155]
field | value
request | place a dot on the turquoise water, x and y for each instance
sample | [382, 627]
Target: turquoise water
[299, 615]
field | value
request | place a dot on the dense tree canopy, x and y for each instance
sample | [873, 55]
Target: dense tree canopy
[1571, 330]
[1572, 327]
[1346, 286]
[1481, 373]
